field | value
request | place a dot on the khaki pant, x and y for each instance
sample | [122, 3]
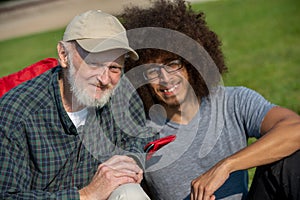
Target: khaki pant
[130, 191]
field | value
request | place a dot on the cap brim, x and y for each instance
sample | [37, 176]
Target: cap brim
[100, 45]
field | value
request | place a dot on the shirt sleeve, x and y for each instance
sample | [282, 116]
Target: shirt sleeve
[252, 108]
[15, 181]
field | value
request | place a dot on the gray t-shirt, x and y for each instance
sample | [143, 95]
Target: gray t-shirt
[220, 128]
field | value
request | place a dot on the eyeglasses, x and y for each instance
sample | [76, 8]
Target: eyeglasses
[154, 71]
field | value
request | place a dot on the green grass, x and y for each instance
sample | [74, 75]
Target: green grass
[260, 39]
[17, 53]
[262, 45]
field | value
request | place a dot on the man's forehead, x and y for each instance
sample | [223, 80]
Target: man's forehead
[163, 59]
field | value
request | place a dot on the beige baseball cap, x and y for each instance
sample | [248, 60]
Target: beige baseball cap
[96, 31]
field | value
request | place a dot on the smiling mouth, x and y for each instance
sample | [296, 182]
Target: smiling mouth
[170, 90]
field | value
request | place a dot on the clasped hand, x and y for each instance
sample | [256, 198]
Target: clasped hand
[111, 174]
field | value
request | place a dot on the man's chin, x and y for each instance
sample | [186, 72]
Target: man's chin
[170, 103]
[104, 99]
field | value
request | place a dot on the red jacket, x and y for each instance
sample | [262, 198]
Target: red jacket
[10, 81]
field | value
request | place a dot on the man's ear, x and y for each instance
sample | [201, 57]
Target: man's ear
[62, 55]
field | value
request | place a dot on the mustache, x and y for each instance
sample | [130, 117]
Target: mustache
[106, 86]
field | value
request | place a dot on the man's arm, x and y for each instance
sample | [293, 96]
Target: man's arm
[281, 138]
[15, 179]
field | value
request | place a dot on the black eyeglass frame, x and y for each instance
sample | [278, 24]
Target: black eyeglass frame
[166, 67]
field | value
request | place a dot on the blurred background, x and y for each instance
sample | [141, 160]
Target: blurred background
[261, 39]
[22, 17]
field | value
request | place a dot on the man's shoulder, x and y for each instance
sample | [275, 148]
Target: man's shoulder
[235, 89]
[238, 92]
[29, 95]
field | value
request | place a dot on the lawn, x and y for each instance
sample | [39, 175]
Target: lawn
[17, 53]
[261, 44]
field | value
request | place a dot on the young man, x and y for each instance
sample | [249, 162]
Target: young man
[181, 63]
[61, 134]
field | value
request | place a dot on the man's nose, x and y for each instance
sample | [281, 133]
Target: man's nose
[103, 76]
[164, 75]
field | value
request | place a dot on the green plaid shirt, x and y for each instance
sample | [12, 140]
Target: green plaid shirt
[43, 155]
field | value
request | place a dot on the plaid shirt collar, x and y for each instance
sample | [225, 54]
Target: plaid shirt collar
[55, 93]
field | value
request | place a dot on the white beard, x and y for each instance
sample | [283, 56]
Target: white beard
[80, 93]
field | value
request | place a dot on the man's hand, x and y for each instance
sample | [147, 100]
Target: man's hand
[203, 187]
[111, 174]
